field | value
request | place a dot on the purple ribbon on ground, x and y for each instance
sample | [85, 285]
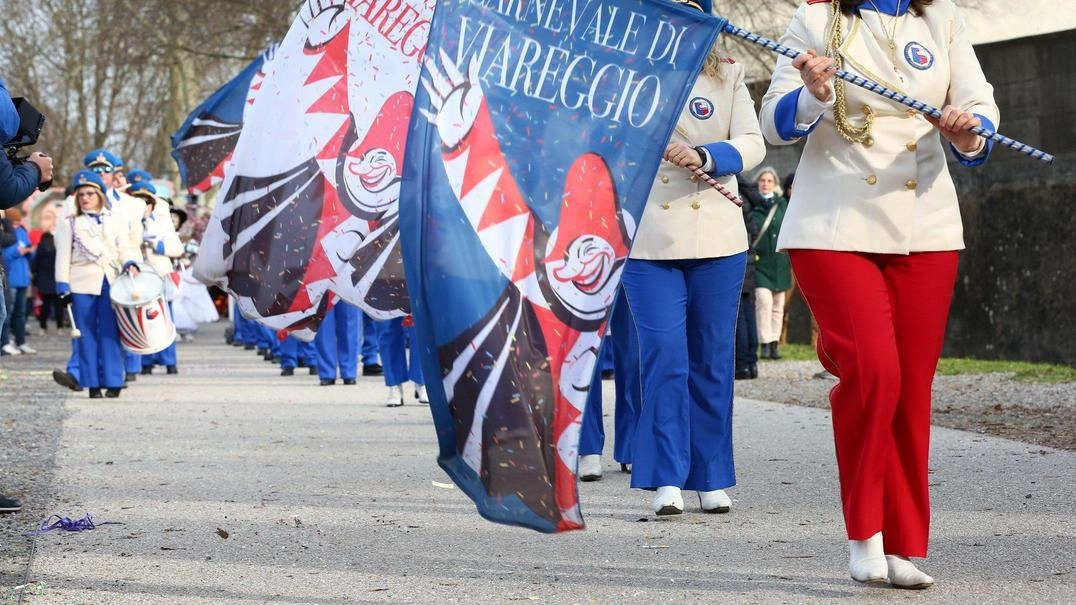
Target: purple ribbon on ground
[66, 523]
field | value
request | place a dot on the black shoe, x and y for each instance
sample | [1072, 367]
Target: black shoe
[744, 374]
[313, 370]
[95, 393]
[301, 363]
[267, 356]
[147, 370]
[764, 351]
[171, 370]
[287, 371]
[65, 379]
[349, 381]
[624, 468]
[112, 393]
[248, 347]
[773, 351]
[9, 504]
[372, 369]
[607, 374]
[754, 371]
[262, 352]
[325, 382]
[131, 376]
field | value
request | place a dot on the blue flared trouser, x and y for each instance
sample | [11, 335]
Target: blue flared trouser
[15, 324]
[626, 380]
[392, 341]
[246, 330]
[369, 341]
[685, 317]
[592, 434]
[746, 334]
[337, 342]
[293, 349]
[101, 357]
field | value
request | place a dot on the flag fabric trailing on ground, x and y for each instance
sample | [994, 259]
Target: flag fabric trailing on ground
[206, 140]
[538, 130]
[310, 201]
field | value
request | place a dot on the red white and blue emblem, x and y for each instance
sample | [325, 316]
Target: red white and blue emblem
[701, 107]
[918, 56]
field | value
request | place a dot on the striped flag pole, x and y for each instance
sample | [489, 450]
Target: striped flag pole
[891, 94]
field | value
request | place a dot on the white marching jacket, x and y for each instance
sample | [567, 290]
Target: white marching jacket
[158, 225]
[684, 217]
[893, 192]
[88, 252]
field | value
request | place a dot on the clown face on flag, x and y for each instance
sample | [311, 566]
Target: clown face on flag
[541, 128]
[310, 203]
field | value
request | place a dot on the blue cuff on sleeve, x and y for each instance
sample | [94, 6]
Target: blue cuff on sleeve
[981, 158]
[727, 160]
[127, 265]
[159, 248]
[784, 117]
[63, 287]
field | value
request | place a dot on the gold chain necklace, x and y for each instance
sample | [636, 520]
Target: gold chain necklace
[889, 32]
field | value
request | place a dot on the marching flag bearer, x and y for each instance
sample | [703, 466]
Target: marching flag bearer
[873, 231]
[337, 343]
[92, 249]
[160, 247]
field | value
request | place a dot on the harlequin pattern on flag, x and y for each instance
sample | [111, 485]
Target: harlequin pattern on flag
[204, 143]
[538, 131]
[310, 201]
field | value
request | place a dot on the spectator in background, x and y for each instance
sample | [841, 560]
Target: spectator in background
[43, 270]
[16, 259]
[773, 273]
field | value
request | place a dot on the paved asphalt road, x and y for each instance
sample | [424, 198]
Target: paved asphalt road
[236, 486]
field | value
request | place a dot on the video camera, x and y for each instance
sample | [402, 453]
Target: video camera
[31, 122]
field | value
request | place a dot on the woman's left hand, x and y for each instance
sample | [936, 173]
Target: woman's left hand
[955, 125]
[682, 155]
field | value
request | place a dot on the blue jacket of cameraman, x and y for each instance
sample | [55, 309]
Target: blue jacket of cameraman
[17, 182]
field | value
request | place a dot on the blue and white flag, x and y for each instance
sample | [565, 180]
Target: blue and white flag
[538, 130]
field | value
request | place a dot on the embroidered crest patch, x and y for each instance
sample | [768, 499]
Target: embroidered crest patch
[701, 107]
[918, 56]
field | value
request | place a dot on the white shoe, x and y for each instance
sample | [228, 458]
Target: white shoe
[866, 561]
[10, 349]
[421, 394]
[590, 467]
[668, 501]
[904, 574]
[27, 349]
[395, 398]
[716, 501]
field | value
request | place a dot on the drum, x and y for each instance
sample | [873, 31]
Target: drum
[145, 324]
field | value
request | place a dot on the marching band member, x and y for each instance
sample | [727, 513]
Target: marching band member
[393, 339]
[109, 167]
[337, 344]
[873, 233]
[682, 286]
[160, 248]
[92, 249]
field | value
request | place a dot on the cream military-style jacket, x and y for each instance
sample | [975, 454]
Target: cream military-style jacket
[684, 217]
[158, 224]
[893, 192]
[88, 252]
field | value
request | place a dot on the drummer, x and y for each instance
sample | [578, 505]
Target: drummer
[160, 247]
[92, 250]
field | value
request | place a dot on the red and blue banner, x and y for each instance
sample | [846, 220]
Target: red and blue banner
[206, 140]
[309, 207]
[538, 130]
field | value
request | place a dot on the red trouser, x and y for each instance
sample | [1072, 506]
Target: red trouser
[881, 320]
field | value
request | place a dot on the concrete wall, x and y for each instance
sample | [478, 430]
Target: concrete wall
[1015, 296]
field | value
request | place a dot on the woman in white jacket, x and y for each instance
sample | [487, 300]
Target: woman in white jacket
[93, 247]
[873, 231]
[682, 286]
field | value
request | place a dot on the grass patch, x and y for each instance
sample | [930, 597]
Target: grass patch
[952, 366]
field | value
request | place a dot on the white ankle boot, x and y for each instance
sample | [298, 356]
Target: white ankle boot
[668, 501]
[866, 560]
[715, 501]
[420, 393]
[904, 574]
[395, 398]
[590, 467]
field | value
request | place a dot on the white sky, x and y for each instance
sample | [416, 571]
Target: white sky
[997, 20]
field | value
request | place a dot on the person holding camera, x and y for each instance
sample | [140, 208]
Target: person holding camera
[18, 180]
[92, 249]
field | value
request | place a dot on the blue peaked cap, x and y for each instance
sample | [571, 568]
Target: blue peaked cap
[137, 175]
[102, 157]
[142, 187]
[85, 178]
